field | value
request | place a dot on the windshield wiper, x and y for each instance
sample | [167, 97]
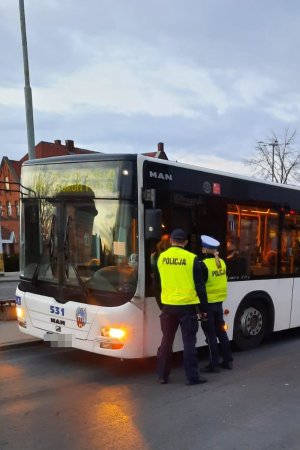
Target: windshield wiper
[35, 276]
[52, 245]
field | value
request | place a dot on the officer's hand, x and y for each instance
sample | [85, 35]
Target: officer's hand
[202, 316]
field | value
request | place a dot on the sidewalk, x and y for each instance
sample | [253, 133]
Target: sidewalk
[10, 336]
[10, 276]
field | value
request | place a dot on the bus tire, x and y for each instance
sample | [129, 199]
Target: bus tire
[250, 324]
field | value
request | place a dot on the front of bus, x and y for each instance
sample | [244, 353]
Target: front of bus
[79, 254]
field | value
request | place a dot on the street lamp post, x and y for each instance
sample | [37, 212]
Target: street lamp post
[273, 145]
[27, 88]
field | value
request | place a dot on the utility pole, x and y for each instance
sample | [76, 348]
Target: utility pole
[27, 88]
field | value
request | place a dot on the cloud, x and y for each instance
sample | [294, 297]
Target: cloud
[213, 162]
[207, 78]
[287, 109]
[128, 89]
[250, 88]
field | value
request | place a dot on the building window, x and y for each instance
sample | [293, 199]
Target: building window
[6, 183]
[9, 212]
[17, 208]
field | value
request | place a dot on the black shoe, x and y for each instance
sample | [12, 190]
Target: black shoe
[200, 380]
[227, 365]
[163, 381]
[210, 369]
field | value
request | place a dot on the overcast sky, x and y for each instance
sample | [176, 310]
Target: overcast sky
[209, 78]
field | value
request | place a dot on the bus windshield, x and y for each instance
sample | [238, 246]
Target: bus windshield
[80, 242]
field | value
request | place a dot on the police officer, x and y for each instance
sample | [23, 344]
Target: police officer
[182, 286]
[214, 273]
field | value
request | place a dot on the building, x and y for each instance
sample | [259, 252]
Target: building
[10, 205]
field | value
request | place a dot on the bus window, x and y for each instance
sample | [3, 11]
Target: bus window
[290, 244]
[252, 241]
[30, 247]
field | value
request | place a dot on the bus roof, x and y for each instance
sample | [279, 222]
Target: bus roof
[81, 158]
[134, 156]
[221, 173]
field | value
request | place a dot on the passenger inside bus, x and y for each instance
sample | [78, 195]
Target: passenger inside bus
[161, 246]
[232, 251]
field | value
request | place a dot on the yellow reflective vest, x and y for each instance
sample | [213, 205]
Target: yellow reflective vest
[216, 285]
[175, 267]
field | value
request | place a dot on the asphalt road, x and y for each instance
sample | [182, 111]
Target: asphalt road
[63, 398]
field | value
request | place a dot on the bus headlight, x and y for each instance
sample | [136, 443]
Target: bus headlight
[112, 338]
[20, 313]
[117, 333]
[20, 317]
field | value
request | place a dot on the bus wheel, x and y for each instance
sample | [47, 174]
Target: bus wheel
[250, 324]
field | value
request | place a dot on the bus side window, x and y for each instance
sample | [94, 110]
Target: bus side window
[252, 240]
[240, 232]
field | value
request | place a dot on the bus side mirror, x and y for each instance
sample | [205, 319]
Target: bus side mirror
[153, 224]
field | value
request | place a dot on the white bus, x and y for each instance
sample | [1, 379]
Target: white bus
[89, 224]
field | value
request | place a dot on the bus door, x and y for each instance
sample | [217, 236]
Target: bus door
[290, 262]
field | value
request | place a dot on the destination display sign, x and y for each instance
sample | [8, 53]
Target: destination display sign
[96, 179]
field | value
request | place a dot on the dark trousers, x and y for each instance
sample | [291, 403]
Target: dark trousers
[170, 318]
[214, 330]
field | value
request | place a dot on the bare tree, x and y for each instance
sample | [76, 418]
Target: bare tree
[276, 160]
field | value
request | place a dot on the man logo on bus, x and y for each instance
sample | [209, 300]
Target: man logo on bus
[81, 316]
[161, 176]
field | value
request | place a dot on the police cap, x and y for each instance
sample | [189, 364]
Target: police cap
[209, 242]
[178, 235]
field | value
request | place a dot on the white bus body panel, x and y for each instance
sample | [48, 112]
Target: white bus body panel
[153, 332]
[295, 313]
[142, 320]
[36, 312]
[280, 292]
